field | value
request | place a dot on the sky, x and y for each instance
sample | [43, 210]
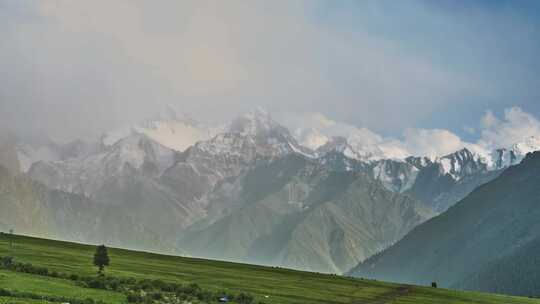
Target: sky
[419, 72]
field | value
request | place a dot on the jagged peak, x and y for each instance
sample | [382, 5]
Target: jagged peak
[339, 144]
[463, 154]
[508, 156]
[419, 162]
[255, 122]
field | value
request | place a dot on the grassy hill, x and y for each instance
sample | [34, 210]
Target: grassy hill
[268, 285]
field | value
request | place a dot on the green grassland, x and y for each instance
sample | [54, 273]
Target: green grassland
[271, 285]
[50, 286]
[4, 300]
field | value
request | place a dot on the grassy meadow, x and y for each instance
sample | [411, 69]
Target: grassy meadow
[266, 284]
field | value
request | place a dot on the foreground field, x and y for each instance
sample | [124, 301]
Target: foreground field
[271, 285]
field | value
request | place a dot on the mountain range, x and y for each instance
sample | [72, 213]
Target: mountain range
[247, 191]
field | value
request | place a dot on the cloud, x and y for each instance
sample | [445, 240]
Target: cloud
[80, 68]
[515, 126]
[76, 69]
[434, 142]
[314, 129]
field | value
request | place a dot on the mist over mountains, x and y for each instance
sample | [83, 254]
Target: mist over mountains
[395, 141]
[247, 191]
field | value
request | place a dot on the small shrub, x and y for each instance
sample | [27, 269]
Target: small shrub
[7, 262]
[245, 299]
[4, 293]
[97, 283]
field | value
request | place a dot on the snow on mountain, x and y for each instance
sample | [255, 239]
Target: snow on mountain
[505, 157]
[86, 175]
[254, 123]
[355, 149]
[217, 153]
[459, 163]
[462, 163]
[155, 146]
[530, 144]
[399, 174]
[170, 129]
[176, 135]
[396, 176]
[181, 172]
[358, 143]
[250, 136]
[496, 158]
[341, 145]
[267, 137]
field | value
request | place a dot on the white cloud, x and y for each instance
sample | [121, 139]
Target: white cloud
[432, 143]
[419, 142]
[516, 126]
[314, 129]
[105, 63]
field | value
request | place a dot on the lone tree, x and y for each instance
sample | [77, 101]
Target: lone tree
[101, 258]
[11, 238]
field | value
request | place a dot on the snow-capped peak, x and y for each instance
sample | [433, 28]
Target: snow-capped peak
[352, 149]
[251, 135]
[170, 129]
[530, 144]
[461, 163]
[254, 123]
[505, 157]
[338, 144]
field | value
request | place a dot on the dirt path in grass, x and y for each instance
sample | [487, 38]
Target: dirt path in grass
[389, 296]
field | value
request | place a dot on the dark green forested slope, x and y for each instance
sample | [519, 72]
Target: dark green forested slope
[488, 241]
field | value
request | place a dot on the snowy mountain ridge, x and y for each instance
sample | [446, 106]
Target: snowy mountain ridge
[255, 134]
[87, 174]
[253, 176]
[170, 129]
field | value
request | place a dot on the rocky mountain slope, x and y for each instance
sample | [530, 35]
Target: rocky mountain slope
[301, 213]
